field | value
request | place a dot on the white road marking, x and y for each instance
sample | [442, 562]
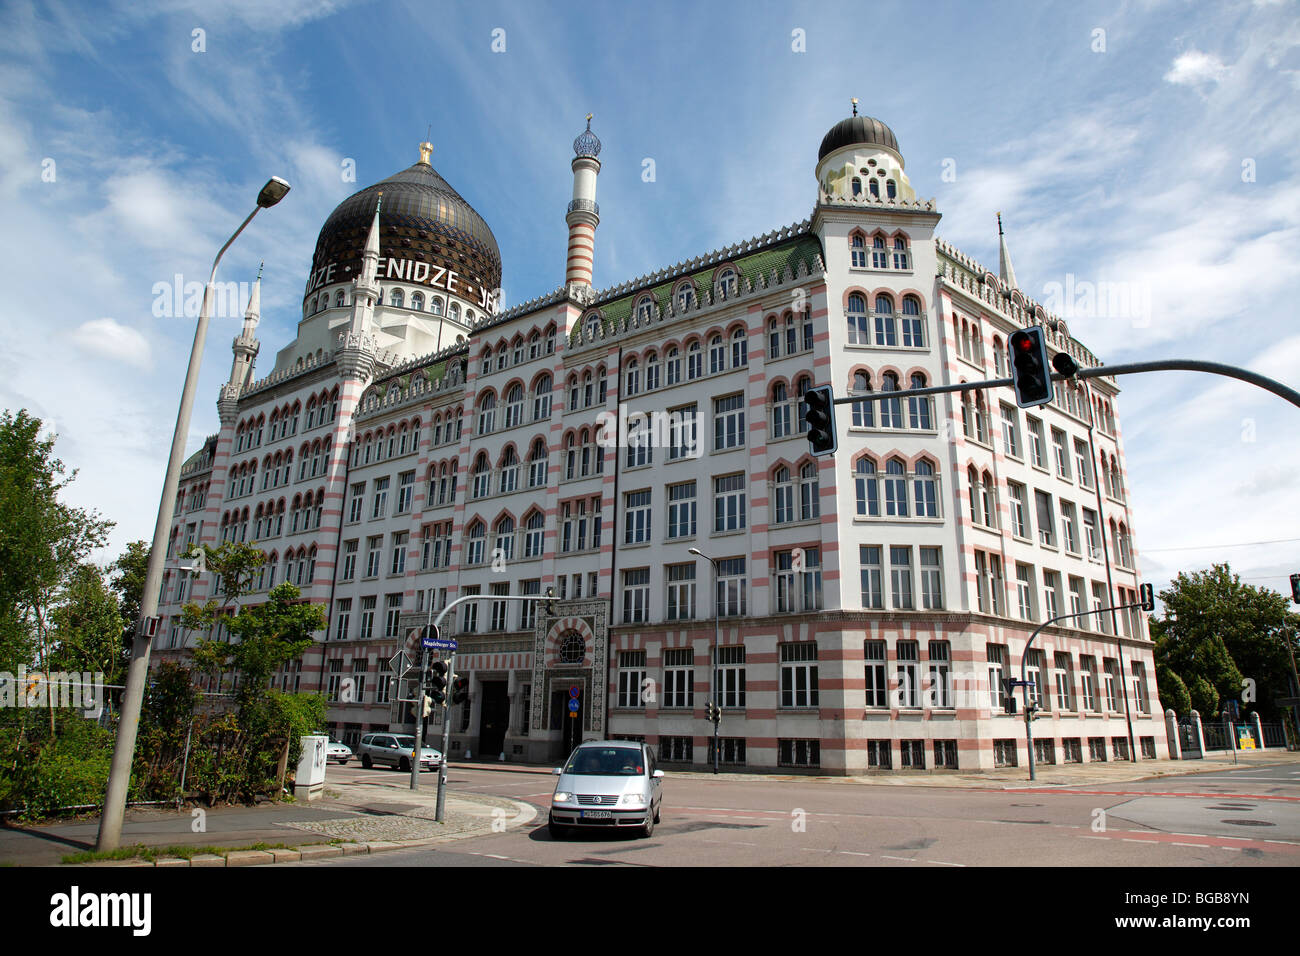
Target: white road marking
[1203, 846]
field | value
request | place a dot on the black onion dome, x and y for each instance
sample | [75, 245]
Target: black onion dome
[423, 219]
[857, 130]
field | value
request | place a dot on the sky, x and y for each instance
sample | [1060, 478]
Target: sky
[1142, 150]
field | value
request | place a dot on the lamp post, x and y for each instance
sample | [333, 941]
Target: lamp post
[110, 823]
[713, 652]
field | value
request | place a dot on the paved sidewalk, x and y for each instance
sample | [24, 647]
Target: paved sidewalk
[1006, 778]
[366, 816]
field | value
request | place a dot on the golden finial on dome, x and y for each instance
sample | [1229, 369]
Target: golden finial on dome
[855, 106]
[426, 151]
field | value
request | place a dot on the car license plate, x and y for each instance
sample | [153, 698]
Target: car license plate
[597, 814]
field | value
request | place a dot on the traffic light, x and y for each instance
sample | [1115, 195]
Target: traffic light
[820, 416]
[459, 689]
[713, 713]
[1031, 377]
[549, 607]
[1295, 588]
[436, 687]
[1149, 597]
[1008, 695]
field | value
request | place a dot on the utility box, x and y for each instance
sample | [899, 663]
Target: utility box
[309, 780]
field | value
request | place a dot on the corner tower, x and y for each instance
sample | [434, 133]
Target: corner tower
[583, 215]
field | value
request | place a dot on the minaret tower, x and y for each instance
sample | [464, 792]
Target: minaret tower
[583, 214]
[246, 346]
[357, 347]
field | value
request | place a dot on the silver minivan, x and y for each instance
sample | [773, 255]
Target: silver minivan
[395, 750]
[610, 783]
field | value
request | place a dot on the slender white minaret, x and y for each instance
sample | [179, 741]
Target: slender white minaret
[365, 288]
[1005, 271]
[583, 214]
[246, 345]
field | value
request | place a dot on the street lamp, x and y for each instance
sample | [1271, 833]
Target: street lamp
[713, 653]
[110, 823]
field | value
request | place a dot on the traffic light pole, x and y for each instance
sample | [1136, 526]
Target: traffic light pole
[1024, 667]
[1103, 371]
[451, 665]
[419, 721]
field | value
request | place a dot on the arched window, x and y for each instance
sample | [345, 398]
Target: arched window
[864, 413]
[988, 493]
[509, 471]
[417, 301]
[645, 309]
[999, 358]
[859, 328]
[727, 286]
[685, 296]
[858, 250]
[592, 326]
[886, 326]
[925, 490]
[809, 493]
[542, 398]
[517, 350]
[891, 191]
[396, 298]
[651, 371]
[502, 353]
[784, 489]
[780, 411]
[435, 305]
[739, 349]
[487, 413]
[505, 539]
[773, 340]
[632, 378]
[533, 535]
[476, 539]
[717, 355]
[857, 186]
[673, 366]
[920, 413]
[879, 255]
[453, 312]
[514, 406]
[570, 457]
[694, 361]
[868, 495]
[873, 187]
[913, 327]
[534, 345]
[973, 481]
[891, 410]
[340, 299]
[482, 474]
[537, 460]
[895, 488]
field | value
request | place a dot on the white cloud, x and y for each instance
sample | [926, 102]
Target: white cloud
[1194, 68]
[107, 338]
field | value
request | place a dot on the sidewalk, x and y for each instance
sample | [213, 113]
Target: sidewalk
[355, 817]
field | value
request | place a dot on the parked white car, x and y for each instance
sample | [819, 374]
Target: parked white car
[338, 751]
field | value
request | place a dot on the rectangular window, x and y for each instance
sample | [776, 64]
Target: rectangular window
[679, 677]
[528, 609]
[1046, 519]
[1070, 527]
[1091, 535]
[1097, 749]
[1064, 682]
[631, 676]
[877, 686]
[900, 577]
[940, 674]
[380, 499]
[405, 490]
[681, 591]
[909, 674]
[729, 422]
[358, 501]
[799, 675]
[996, 655]
[798, 580]
[1082, 462]
[1051, 594]
[349, 568]
[638, 517]
[636, 595]
[1088, 684]
[733, 588]
[945, 754]
[1037, 450]
[681, 510]
[799, 753]
[1010, 432]
[1062, 454]
[683, 435]
[342, 618]
[393, 614]
[913, 754]
[1004, 753]
[878, 755]
[1019, 516]
[499, 608]
[1025, 591]
[873, 597]
[398, 564]
[374, 555]
[368, 617]
[729, 503]
[931, 579]
[729, 678]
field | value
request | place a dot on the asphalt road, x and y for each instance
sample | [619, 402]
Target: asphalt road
[1248, 817]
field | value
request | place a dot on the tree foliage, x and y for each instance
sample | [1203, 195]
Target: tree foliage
[42, 539]
[1222, 638]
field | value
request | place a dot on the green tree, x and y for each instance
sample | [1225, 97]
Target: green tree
[87, 625]
[1220, 631]
[1173, 692]
[127, 581]
[42, 539]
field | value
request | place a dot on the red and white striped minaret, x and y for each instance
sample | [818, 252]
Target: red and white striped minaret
[583, 215]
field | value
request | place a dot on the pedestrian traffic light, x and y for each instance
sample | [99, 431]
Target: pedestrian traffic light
[1149, 597]
[820, 416]
[436, 686]
[459, 689]
[1031, 378]
[1295, 588]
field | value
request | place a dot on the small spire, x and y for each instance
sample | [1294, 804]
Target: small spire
[855, 106]
[254, 310]
[1006, 272]
[372, 238]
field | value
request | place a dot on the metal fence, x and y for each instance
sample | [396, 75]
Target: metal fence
[1274, 734]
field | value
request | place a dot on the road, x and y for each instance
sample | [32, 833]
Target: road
[1247, 817]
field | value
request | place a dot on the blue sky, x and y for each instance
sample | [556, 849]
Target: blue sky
[1159, 153]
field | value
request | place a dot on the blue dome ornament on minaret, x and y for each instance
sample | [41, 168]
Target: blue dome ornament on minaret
[587, 144]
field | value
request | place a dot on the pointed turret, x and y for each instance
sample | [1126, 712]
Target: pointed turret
[246, 345]
[366, 286]
[583, 215]
[1005, 270]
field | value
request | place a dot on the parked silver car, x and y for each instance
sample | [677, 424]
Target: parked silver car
[611, 783]
[395, 750]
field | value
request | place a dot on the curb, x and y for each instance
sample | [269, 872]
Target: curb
[525, 814]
